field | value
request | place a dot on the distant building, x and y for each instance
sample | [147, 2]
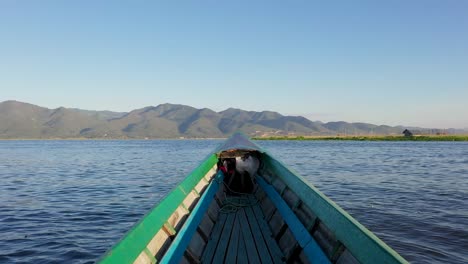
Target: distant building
[407, 133]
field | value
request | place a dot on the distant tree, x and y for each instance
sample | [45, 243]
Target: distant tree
[407, 133]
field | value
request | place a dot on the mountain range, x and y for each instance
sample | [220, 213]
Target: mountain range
[24, 120]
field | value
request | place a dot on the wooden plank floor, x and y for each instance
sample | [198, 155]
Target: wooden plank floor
[241, 235]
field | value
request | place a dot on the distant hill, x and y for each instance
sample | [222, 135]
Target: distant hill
[23, 120]
[102, 115]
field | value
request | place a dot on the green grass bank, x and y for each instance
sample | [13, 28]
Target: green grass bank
[372, 138]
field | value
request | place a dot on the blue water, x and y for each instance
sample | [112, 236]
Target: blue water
[69, 201]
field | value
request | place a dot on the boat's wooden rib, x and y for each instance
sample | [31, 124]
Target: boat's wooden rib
[232, 251]
[284, 220]
[275, 252]
[187, 232]
[310, 247]
[242, 250]
[225, 237]
[245, 236]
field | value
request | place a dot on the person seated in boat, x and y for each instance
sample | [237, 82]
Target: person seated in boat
[231, 177]
[247, 163]
[230, 165]
[246, 182]
[221, 166]
[238, 179]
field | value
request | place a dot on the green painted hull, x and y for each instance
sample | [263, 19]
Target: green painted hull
[358, 240]
[136, 240]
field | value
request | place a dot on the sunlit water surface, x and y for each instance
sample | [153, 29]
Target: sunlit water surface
[69, 201]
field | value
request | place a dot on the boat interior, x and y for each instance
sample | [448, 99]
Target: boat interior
[241, 205]
[251, 219]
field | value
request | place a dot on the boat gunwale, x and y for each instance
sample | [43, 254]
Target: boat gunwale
[139, 236]
[347, 230]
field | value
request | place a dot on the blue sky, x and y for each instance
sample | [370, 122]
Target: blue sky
[383, 62]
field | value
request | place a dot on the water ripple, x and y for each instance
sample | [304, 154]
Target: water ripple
[413, 195]
[69, 201]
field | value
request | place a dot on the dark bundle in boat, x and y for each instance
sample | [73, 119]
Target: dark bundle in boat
[243, 206]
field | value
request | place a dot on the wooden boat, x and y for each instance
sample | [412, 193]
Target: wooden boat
[280, 219]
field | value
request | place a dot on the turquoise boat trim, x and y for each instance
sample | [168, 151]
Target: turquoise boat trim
[182, 240]
[363, 244]
[135, 241]
[311, 249]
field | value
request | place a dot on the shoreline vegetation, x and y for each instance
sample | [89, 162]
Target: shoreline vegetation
[297, 138]
[371, 138]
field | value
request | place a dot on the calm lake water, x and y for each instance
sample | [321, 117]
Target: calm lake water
[69, 201]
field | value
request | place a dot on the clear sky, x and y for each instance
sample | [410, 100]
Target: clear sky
[383, 62]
